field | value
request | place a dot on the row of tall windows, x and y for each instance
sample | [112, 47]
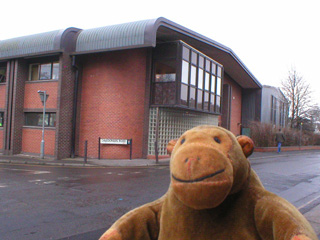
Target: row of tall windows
[201, 80]
[186, 78]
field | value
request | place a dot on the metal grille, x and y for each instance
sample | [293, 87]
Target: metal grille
[172, 123]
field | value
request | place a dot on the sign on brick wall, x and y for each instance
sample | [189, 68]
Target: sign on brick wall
[115, 141]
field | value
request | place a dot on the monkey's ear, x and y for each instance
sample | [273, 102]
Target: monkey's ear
[171, 145]
[246, 144]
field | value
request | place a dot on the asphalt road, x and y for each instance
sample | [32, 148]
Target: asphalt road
[43, 202]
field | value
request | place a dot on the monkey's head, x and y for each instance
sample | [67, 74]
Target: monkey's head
[207, 164]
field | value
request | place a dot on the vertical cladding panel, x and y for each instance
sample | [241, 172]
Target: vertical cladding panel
[31, 140]
[236, 103]
[3, 88]
[31, 96]
[112, 102]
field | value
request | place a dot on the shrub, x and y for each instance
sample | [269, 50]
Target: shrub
[263, 135]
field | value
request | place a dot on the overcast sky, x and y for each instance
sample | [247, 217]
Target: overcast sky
[270, 37]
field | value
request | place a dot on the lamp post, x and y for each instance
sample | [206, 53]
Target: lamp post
[43, 96]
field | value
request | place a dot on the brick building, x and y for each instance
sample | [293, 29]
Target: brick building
[148, 81]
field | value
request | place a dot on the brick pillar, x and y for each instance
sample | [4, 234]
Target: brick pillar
[15, 98]
[65, 108]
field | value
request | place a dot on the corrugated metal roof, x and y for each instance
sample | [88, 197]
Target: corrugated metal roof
[32, 44]
[112, 37]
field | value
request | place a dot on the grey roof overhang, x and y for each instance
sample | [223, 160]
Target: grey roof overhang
[148, 33]
[37, 44]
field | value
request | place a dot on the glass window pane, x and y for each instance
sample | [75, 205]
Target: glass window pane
[201, 61]
[218, 86]
[213, 69]
[194, 57]
[165, 71]
[45, 71]
[192, 99]
[200, 78]
[55, 71]
[46, 119]
[34, 72]
[213, 84]
[193, 75]
[185, 72]
[212, 102]
[219, 71]
[206, 101]
[207, 81]
[33, 119]
[218, 104]
[186, 53]
[3, 73]
[184, 95]
[52, 120]
[1, 119]
[199, 99]
[208, 65]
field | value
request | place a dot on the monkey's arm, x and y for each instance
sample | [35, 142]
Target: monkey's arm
[278, 219]
[139, 224]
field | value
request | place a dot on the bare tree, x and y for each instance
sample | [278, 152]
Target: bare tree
[297, 90]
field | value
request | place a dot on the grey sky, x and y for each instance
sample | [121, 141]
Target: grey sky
[270, 37]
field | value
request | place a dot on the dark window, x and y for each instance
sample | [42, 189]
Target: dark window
[35, 119]
[165, 71]
[44, 71]
[3, 72]
[184, 94]
[1, 119]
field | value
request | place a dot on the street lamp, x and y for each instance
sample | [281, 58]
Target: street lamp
[43, 96]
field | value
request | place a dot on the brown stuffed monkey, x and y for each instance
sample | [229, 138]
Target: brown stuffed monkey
[214, 194]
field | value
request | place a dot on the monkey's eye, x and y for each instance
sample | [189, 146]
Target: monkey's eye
[217, 139]
[182, 141]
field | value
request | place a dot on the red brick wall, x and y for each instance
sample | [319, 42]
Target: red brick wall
[3, 88]
[31, 96]
[112, 102]
[236, 99]
[31, 140]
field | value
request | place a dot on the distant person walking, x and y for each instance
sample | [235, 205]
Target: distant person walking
[280, 139]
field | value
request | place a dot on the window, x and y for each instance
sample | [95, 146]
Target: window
[44, 71]
[35, 119]
[184, 77]
[3, 72]
[273, 110]
[165, 71]
[201, 80]
[1, 119]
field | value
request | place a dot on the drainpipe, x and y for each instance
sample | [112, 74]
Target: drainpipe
[75, 100]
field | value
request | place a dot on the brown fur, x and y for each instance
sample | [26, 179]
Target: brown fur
[213, 194]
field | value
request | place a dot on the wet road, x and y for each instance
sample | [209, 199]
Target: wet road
[55, 202]
[42, 202]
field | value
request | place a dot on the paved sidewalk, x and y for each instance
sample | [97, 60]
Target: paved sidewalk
[79, 162]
